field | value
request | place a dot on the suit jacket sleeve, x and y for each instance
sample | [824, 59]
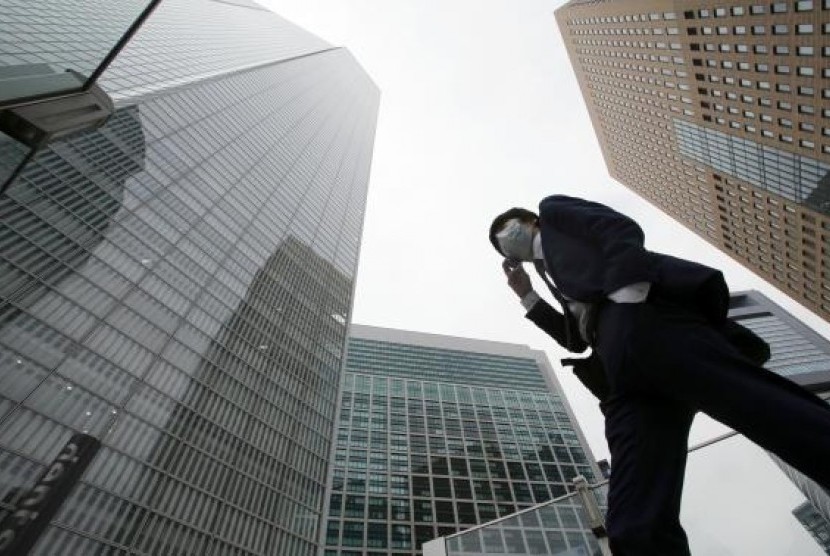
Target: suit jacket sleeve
[618, 238]
[553, 323]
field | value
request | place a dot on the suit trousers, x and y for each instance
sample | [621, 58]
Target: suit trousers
[664, 362]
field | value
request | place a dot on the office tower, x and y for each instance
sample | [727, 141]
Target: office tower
[818, 497]
[437, 433]
[815, 524]
[798, 352]
[178, 284]
[720, 116]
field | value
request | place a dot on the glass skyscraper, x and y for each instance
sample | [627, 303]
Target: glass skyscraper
[798, 352]
[178, 284]
[437, 434]
[815, 524]
[802, 356]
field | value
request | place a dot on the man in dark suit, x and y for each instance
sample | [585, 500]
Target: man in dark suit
[657, 325]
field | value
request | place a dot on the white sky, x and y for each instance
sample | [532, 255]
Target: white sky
[480, 111]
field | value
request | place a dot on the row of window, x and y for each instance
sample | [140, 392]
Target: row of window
[775, 29]
[449, 392]
[704, 13]
[627, 18]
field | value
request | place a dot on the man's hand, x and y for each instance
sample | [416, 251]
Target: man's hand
[517, 278]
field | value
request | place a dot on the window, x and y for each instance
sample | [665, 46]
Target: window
[804, 5]
[804, 29]
[779, 7]
[780, 29]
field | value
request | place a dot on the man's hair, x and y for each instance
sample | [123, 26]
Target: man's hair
[499, 221]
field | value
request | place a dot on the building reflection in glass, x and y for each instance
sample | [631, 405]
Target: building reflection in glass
[179, 287]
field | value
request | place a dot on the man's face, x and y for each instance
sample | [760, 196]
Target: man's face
[516, 239]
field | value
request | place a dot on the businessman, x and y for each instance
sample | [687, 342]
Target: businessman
[656, 323]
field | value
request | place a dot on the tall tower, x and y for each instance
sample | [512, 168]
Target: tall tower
[815, 524]
[437, 434]
[799, 354]
[720, 116]
[178, 284]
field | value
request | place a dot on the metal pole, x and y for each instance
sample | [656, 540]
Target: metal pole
[595, 520]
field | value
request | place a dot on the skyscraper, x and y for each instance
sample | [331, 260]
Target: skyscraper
[436, 434]
[178, 284]
[815, 524]
[798, 352]
[720, 116]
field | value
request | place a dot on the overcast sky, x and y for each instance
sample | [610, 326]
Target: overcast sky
[480, 111]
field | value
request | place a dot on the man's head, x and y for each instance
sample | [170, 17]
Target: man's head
[511, 233]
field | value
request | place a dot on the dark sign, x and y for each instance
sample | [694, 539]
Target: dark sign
[20, 529]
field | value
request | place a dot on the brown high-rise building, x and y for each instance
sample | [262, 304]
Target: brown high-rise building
[719, 113]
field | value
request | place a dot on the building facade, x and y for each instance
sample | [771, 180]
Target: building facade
[815, 524]
[436, 434]
[719, 114]
[178, 285]
[798, 352]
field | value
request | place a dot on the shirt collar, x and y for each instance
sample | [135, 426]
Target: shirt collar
[538, 253]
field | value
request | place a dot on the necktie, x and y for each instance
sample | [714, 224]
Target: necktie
[539, 264]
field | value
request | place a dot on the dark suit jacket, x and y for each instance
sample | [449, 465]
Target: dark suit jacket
[592, 250]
